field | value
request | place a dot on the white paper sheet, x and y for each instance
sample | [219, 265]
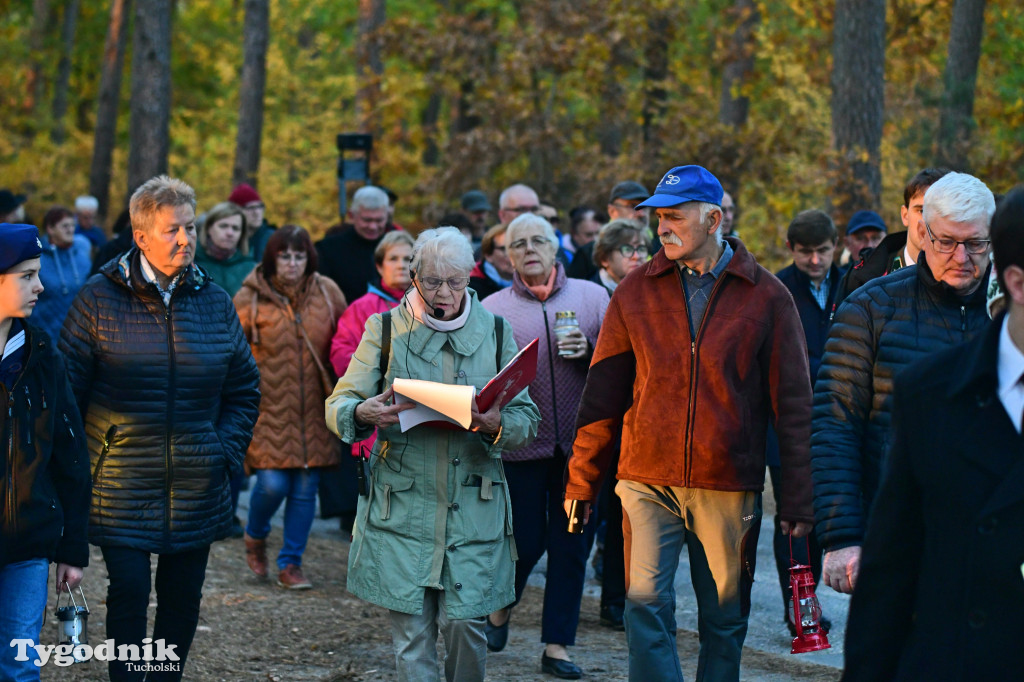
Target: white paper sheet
[434, 402]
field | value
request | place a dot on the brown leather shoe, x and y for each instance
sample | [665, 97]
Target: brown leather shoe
[256, 555]
[291, 578]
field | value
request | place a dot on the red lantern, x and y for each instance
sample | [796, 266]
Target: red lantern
[806, 610]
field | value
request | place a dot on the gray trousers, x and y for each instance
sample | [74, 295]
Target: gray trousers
[415, 637]
[720, 531]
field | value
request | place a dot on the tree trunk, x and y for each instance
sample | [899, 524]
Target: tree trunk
[105, 136]
[735, 106]
[858, 73]
[151, 91]
[63, 82]
[655, 73]
[36, 87]
[253, 85]
[613, 98]
[369, 65]
[956, 119]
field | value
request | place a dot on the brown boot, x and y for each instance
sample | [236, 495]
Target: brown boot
[256, 555]
[291, 578]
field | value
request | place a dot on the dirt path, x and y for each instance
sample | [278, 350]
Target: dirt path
[253, 630]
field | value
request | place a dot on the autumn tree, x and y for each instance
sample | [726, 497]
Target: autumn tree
[251, 90]
[734, 107]
[369, 63]
[151, 91]
[858, 104]
[957, 110]
[63, 81]
[105, 132]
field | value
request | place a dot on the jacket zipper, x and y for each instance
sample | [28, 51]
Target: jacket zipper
[28, 404]
[551, 368]
[108, 438]
[302, 386]
[168, 465]
[10, 462]
[963, 318]
[692, 407]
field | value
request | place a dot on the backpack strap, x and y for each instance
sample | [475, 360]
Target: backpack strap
[385, 348]
[499, 333]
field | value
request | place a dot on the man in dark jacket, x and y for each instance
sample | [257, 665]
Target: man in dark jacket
[169, 392]
[896, 250]
[694, 359]
[812, 279]
[940, 594]
[880, 330]
[346, 256]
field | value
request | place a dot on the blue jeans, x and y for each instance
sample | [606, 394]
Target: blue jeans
[22, 603]
[272, 487]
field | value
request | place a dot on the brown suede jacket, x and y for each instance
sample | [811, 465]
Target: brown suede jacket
[694, 413]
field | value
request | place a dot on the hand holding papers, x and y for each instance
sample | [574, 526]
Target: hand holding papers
[450, 406]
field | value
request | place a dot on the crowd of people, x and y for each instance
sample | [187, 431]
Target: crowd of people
[878, 380]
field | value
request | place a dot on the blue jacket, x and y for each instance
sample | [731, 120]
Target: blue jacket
[878, 331]
[62, 272]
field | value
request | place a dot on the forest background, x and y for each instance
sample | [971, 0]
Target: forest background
[828, 104]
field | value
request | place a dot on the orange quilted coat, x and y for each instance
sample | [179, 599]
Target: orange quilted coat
[291, 431]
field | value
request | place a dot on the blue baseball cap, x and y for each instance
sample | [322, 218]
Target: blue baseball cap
[683, 184]
[865, 220]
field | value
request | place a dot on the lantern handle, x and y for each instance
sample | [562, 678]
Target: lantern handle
[807, 543]
[71, 595]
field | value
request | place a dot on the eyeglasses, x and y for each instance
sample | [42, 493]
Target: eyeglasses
[454, 283]
[254, 207]
[537, 243]
[627, 250]
[521, 209]
[292, 257]
[974, 247]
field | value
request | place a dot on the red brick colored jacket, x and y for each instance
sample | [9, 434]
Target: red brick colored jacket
[695, 413]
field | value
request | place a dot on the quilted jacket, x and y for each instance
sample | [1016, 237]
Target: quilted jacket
[884, 326]
[291, 432]
[169, 395]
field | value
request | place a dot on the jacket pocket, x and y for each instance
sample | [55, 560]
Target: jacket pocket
[395, 504]
[480, 516]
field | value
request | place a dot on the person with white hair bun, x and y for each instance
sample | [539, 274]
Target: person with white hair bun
[432, 540]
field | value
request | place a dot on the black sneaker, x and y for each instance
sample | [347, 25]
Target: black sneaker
[611, 616]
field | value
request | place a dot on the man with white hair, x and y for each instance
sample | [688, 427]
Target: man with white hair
[347, 256]
[879, 330]
[696, 356]
[85, 220]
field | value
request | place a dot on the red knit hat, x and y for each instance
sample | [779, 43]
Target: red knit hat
[244, 194]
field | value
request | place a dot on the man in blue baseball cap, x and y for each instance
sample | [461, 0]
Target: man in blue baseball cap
[696, 357]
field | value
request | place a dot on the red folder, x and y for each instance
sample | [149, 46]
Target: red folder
[515, 376]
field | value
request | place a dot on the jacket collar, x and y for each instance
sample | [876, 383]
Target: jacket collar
[127, 272]
[742, 263]
[945, 293]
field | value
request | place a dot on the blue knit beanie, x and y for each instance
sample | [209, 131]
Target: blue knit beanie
[18, 243]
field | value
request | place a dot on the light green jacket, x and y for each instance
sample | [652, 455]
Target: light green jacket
[438, 513]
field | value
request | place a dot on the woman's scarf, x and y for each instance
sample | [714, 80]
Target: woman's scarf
[543, 291]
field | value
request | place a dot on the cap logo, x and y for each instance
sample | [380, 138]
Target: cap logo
[671, 179]
[39, 243]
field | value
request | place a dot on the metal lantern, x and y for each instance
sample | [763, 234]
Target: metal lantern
[72, 620]
[806, 610]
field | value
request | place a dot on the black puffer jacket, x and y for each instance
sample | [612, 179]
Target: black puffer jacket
[169, 396]
[883, 327]
[44, 466]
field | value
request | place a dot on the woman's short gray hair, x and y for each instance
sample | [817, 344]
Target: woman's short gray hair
[530, 220]
[443, 252]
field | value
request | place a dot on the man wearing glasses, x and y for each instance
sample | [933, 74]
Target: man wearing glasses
[515, 201]
[883, 327]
